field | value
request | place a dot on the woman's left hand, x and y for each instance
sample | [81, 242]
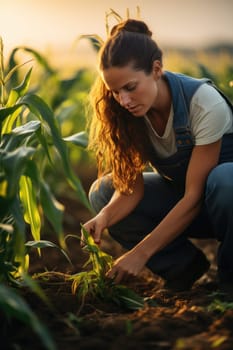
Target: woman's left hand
[128, 265]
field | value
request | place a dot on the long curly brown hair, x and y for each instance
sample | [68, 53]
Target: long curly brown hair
[120, 140]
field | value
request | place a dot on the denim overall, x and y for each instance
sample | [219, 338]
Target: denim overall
[164, 189]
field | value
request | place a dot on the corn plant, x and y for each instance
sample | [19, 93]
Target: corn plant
[30, 143]
[30, 140]
[92, 284]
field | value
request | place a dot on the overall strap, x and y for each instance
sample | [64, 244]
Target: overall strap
[182, 88]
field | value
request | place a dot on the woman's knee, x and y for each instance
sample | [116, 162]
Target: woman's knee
[219, 185]
[100, 193]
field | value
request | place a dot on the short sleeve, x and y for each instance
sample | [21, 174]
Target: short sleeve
[210, 115]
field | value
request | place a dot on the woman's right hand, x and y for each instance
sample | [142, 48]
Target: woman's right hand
[95, 227]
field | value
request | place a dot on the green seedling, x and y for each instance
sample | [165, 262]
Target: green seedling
[93, 284]
[220, 306]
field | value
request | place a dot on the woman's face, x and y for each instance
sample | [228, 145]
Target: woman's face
[133, 89]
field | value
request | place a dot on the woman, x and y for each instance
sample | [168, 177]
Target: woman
[181, 127]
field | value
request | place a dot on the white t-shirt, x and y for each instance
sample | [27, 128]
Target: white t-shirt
[210, 118]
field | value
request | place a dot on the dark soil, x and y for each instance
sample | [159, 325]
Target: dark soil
[200, 319]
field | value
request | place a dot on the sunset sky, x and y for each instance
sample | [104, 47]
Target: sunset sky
[57, 23]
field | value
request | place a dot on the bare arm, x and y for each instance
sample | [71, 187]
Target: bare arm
[119, 207]
[203, 159]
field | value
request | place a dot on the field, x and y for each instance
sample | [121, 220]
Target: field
[43, 203]
[198, 319]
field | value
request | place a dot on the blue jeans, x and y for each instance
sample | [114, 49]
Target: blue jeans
[215, 220]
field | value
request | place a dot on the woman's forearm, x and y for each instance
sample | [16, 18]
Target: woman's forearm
[121, 205]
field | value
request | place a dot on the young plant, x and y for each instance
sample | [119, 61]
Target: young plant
[94, 285]
[220, 306]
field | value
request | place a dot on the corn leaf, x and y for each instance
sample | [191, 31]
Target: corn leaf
[15, 307]
[29, 201]
[20, 90]
[19, 223]
[13, 66]
[90, 244]
[26, 129]
[13, 70]
[14, 96]
[53, 210]
[9, 122]
[128, 298]
[41, 109]
[95, 40]
[14, 164]
[13, 140]
[46, 244]
[79, 139]
[5, 112]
